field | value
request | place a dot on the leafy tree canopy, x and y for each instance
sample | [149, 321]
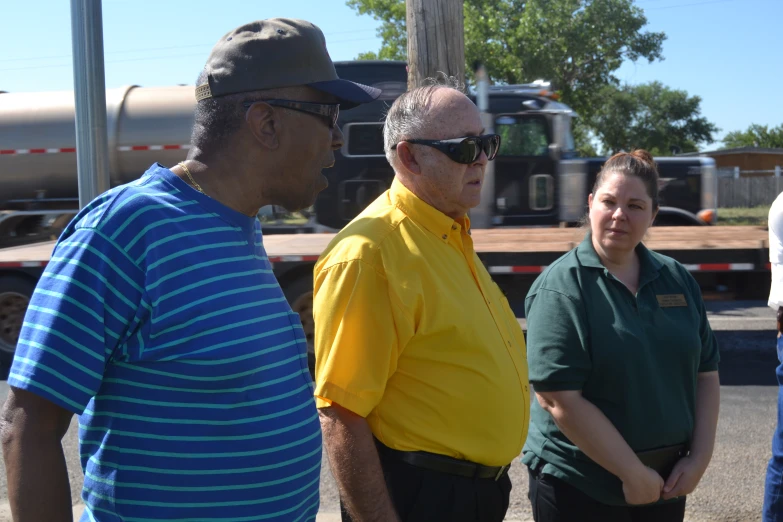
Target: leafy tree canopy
[576, 44]
[650, 116]
[755, 136]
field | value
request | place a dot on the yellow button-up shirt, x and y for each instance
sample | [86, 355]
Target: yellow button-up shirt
[412, 333]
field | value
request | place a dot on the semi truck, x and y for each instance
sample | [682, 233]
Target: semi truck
[537, 180]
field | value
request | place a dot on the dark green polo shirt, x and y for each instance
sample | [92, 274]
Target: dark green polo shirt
[635, 357]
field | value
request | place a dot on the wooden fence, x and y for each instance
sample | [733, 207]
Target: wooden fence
[748, 192]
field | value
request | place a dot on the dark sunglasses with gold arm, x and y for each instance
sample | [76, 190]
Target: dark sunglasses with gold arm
[328, 111]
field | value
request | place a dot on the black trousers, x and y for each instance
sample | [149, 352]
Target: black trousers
[556, 501]
[422, 495]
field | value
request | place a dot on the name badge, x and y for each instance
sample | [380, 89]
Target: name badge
[671, 300]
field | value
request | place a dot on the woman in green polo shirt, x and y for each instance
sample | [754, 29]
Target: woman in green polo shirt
[624, 366]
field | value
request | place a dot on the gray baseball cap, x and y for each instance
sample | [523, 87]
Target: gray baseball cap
[276, 53]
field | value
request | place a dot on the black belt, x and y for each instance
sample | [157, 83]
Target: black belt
[443, 463]
[663, 459]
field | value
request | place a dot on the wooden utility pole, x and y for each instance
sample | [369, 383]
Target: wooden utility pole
[436, 40]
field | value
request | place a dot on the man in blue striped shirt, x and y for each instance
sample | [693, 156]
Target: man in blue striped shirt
[160, 323]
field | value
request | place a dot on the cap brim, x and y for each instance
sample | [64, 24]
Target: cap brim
[349, 93]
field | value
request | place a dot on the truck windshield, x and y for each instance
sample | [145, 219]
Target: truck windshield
[522, 136]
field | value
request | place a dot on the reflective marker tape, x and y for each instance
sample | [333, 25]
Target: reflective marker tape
[63, 150]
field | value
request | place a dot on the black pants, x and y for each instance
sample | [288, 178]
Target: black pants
[556, 501]
[421, 495]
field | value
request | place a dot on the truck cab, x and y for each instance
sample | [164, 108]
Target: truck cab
[538, 181]
[537, 178]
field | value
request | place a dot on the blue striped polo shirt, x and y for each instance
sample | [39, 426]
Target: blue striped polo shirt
[160, 322]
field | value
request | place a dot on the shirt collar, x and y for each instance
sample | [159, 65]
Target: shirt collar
[425, 214]
[648, 265]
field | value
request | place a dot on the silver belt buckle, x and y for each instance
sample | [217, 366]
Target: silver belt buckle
[501, 471]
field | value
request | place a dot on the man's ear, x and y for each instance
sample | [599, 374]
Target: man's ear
[590, 202]
[264, 125]
[407, 159]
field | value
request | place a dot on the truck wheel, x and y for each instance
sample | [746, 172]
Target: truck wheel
[15, 293]
[667, 222]
[300, 296]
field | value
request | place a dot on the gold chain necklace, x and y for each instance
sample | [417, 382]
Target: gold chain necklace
[198, 187]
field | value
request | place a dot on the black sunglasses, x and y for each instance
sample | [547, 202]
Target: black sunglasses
[464, 150]
[329, 111]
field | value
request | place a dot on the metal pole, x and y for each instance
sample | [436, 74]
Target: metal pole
[482, 216]
[92, 150]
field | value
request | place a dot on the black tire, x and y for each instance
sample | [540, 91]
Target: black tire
[677, 218]
[666, 221]
[299, 294]
[15, 294]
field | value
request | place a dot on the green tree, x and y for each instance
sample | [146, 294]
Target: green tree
[650, 116]
[756, 136]
[584, 139]
[576, 44]
[392, 14]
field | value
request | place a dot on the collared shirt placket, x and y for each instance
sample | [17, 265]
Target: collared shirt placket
[462, 240]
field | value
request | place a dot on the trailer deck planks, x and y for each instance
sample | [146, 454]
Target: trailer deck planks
[523, 240]
[497, 241]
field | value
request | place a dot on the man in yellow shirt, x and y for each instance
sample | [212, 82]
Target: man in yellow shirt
[421, 372]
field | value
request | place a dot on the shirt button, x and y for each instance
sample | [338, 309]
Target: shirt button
[445, 236]
[453, 227]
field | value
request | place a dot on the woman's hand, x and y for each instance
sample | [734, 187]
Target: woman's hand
[688, 471]
[684, 478]
[643, 487]
[592, 432]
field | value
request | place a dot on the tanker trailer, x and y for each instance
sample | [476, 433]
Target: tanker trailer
[39, 190]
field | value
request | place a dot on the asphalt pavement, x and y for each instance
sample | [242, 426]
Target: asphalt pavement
[732, 488]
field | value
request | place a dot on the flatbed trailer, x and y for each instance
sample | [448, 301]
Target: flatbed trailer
[728, 262]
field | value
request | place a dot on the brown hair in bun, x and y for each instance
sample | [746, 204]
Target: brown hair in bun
[638, 163]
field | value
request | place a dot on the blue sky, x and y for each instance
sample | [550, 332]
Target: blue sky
[726, 51]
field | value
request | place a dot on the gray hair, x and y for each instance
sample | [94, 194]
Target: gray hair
[217, 120]
[406, 119]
